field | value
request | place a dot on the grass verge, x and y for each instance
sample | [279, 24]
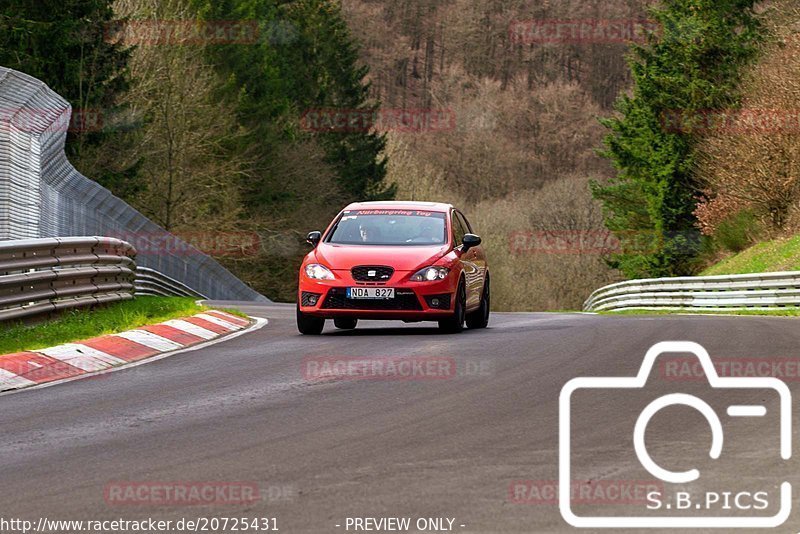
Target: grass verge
[237, 313]
[87, 323]
[778, 312]
[770, 256]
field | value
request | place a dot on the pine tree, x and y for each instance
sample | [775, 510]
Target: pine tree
[333, 78]
[303, 59]
[689, 68]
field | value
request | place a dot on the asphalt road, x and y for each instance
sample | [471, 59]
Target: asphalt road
[321, 451]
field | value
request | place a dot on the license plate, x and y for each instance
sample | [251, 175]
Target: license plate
[370, 292]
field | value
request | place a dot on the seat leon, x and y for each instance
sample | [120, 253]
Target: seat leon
[409, 261]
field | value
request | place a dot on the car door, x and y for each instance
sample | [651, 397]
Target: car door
[473, 262]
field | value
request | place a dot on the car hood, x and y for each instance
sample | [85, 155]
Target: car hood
[345, 257]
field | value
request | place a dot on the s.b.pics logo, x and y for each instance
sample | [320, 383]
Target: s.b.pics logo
[719, 447]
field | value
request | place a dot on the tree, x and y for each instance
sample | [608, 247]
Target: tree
[187, 140]
[751, 164]
[690, 68]
[305, 58]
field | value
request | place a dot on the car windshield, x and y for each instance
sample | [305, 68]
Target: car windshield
[389, 227]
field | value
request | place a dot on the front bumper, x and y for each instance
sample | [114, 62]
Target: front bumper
[414, 301]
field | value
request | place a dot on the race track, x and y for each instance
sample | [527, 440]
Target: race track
[324, 450]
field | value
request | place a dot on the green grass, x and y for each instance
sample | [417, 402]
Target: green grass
[778, 312]
[235, 312]
[770, 256]
[83, 324]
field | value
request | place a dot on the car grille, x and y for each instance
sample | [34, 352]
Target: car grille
[403, 300]
[379, 273]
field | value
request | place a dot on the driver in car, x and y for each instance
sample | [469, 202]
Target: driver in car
[367, 233]
[427, 234]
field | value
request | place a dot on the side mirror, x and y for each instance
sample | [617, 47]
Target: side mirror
[470, 241]
[314, 238]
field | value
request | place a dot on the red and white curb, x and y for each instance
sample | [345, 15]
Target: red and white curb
[115, 351]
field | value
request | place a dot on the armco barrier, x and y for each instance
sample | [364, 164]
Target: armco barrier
[42, 195]
[150, 282]
[39, 276]
[724, 292]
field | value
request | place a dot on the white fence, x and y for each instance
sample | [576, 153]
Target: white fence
[725, 292]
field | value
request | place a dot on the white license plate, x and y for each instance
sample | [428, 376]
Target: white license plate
[370, 292]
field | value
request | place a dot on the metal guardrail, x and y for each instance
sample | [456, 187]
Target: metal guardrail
[43, 195]
[151, 282]
[39, 276]
[722, 292]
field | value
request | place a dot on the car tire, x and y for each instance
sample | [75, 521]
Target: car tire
[345, 323]
[480, 317]
[308, 325]
[455, 324]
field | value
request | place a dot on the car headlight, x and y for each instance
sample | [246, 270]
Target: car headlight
[318, 272]
[431, 274]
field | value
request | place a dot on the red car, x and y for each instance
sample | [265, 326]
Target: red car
[412, 261]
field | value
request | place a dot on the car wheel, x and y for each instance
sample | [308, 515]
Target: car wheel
[480, 317]
[309, 325]
[455, 324]
[345, 323]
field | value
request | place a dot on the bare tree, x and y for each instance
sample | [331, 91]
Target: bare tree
[191, 166]
[750, 158]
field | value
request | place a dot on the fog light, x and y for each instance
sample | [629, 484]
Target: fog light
[309, 299]
[438, 302]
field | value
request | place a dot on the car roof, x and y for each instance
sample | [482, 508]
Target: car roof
[400, 204]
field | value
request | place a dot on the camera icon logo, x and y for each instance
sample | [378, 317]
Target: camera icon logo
[681, 477]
